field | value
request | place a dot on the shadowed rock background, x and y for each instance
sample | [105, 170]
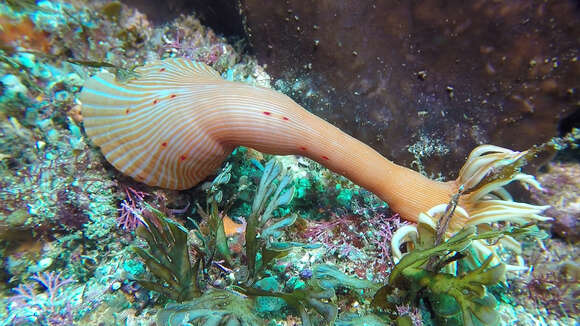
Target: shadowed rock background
[419, 81]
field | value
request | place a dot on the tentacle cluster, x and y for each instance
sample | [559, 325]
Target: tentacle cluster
[484, 203]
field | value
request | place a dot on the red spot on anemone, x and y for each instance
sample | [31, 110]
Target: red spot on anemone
[285, 118]
[267, 113]
[164, 144]
[155, 102]
[325, 157]
[172, 96]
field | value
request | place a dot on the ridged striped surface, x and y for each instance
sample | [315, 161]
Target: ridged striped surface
[143, 128]
[175, 123]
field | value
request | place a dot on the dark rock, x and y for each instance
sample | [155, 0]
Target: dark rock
[561, 184]
[441, 75]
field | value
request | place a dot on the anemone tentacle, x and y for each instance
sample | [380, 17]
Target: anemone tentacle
[485, 202]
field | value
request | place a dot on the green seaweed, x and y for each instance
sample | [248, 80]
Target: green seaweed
[215, 307]
[168, 258]
[330, 277]
[455, 300]
[460, 299]
[313, 297]
[216, 241]
[262, 240]
[273, 191]
[368, 319]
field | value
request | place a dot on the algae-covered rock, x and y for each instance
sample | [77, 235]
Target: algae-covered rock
[269, 304]
[215, 307]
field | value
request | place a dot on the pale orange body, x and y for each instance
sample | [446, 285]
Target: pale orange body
[176, 123]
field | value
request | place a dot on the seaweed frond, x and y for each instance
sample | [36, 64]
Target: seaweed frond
[215, 307]
[168, 258]
[421, 275]
[275, 190]
[312, 297]
[216, 240]
[263, 245]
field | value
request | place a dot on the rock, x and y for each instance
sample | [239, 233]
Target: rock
[561, 184]
[445, 75]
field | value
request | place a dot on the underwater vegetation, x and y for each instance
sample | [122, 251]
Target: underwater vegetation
[260, 239]
[169, 259]
[457, 295]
